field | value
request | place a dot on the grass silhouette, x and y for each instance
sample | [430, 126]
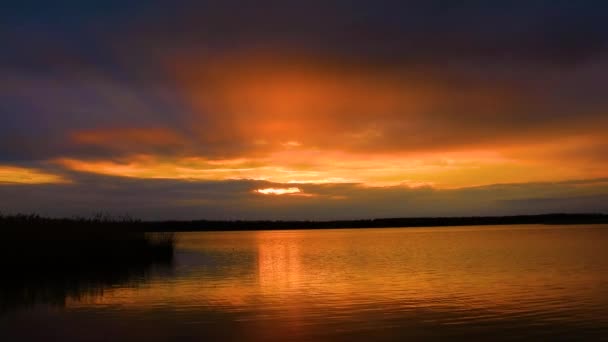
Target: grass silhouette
[46, 261]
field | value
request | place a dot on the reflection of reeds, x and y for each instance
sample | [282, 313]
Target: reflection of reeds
[45, 261]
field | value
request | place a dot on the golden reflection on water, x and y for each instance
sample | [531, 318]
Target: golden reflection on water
[279, 265]
[298, 282]
[387, 264]
[469, 283]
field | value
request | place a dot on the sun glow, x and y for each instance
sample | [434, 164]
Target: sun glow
[309, 166]
[21, 175]
[278, 191]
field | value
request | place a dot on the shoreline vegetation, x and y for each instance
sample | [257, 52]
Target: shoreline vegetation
[48, 261]
[87, 238]
[106, 227]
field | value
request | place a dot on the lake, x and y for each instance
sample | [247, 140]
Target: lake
[461, 283]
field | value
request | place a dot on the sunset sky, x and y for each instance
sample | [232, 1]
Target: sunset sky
[303, 109]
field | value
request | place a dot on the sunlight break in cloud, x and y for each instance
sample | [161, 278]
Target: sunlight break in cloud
[278, 191]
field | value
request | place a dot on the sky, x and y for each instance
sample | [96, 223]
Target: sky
[303, 109]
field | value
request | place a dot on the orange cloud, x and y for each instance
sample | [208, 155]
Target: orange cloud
[22, 175]
[302, 166]
[307, 121]
[276, 98]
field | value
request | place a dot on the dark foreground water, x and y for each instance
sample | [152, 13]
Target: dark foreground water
[499, 283]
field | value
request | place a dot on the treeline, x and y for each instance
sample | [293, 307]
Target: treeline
[211, 225]
[105, 223]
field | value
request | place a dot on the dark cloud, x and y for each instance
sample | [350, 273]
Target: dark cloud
[169, 199]
[494, 69]
[546, 31]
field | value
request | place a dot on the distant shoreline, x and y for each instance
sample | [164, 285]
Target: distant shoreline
[35, 223]
[410, 222]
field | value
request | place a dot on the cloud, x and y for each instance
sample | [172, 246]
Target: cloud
[182, 199]
[23, 175]
[418, 94]
[355, 115]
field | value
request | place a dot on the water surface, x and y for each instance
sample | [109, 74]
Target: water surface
[495, 282]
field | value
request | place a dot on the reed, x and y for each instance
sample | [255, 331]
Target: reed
[46, 261]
